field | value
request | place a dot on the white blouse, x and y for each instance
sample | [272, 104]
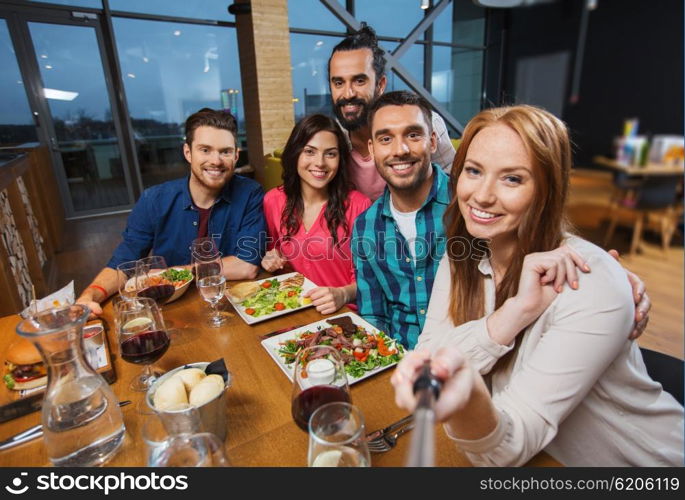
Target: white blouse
[577, 388]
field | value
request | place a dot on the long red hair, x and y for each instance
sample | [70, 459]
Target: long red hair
[543, 226]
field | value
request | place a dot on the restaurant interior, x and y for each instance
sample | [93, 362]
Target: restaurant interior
[95, 94]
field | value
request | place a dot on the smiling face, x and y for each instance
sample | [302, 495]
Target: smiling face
[353, 86]
[318, 162]
[212, 157]
[496, 186]
[401, 145]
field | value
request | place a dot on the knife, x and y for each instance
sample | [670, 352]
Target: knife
[392, 427]
[33, 433]
[282, 330]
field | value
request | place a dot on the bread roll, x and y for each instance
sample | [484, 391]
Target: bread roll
[170, 393]
[190, 377]
[241, 291]
[213, 379]
[205, 391]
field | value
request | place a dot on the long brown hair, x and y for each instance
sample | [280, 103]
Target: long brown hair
[542, 227]
[338, 189]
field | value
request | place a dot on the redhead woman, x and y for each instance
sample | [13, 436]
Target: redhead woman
[531, 363]
[310, 217]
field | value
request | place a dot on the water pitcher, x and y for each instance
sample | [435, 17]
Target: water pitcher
[82, 422]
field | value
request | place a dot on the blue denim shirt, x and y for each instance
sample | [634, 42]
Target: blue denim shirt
[165, 221]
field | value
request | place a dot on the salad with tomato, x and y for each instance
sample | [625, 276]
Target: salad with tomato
[272, 297]
[360, 349]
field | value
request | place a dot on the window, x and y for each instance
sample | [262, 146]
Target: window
[313, 15]
[95, 4]
[16, 123]
[170, 70]
[213, 10]
[456, 80]
[309, 58]
[390, 19]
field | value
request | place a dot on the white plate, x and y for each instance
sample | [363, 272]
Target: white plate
[272, 344]
[250, 320]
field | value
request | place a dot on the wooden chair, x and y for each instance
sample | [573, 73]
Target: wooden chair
[653, 195]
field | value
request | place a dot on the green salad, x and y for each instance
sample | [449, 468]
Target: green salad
[270, 298]
[360, 350]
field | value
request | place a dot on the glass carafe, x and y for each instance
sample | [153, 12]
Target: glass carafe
[81, 419]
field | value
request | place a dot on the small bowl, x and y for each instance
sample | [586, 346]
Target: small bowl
[180, 290]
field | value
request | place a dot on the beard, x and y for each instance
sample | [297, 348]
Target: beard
[353, 123]
[409, 184]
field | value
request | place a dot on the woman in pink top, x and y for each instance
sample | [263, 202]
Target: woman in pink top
[310, 217]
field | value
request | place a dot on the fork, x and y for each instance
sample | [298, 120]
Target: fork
[387, 442]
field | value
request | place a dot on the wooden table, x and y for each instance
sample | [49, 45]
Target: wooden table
[648, 170]
[261, 431]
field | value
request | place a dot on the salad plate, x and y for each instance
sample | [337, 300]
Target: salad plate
[272, 297]
[365, 350]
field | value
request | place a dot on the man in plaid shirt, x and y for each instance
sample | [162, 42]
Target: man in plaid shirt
[399, 241]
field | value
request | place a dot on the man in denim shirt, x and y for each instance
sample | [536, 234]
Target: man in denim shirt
[211, 201]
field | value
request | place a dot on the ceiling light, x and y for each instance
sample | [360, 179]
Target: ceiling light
[47, 66]
[43, 56]
[130, 75]
[145, 59]
[319, 43]
[60, 95]
[177, 33]
[425, 4]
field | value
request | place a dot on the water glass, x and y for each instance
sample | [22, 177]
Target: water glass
[174, 438]
[212, 284]
[203, 449]
[337, 437]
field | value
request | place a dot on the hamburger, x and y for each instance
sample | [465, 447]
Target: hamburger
[24, 368]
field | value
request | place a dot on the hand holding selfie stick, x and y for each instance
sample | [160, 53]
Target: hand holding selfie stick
[422, 447]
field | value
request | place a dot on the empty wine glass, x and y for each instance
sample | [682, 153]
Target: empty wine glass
[151, 284]
[337, 437]
[211, 283]
[129, 279]
[143, 338]
[204, 248]
[319, 378]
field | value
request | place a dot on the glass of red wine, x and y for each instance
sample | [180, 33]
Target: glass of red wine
[151, 283]
[318, 378]
[143, 338]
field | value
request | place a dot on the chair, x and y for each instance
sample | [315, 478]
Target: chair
[666, 370]
[654, 194]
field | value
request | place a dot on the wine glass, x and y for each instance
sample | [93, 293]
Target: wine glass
[204, 248]
[337, 437]
[129, 279]
[319, 378]
[143, 338]
[211, 283]
[202, 449]
[151, 284]
[174, 438]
